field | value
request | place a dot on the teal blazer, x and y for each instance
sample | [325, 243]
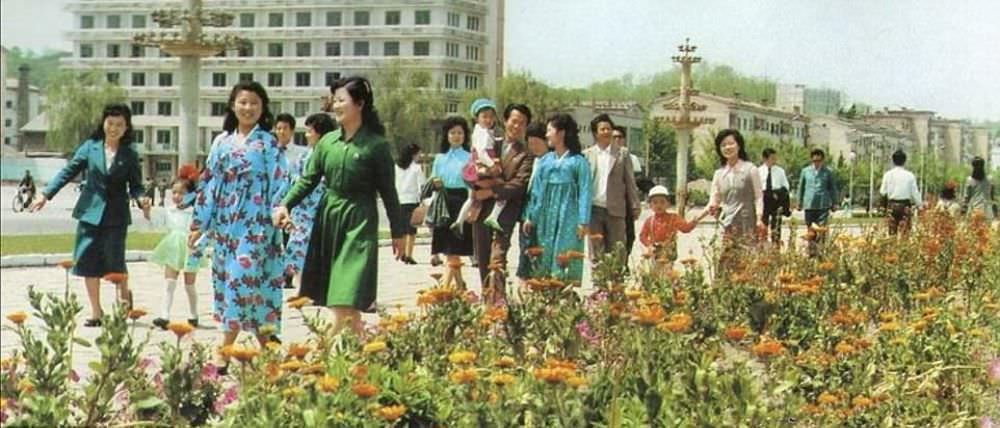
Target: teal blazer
[104, 200]
[817, 189]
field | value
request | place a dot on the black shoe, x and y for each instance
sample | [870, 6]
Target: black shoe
[409, 261]
[161, 323]
[274, 338]
[193, 322]
[288, 283]
[92, 322]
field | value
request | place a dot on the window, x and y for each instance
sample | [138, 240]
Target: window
[246, 77]
[86, 22]
[422, 17]
[86, 51]
[138, 51]
[471, 82]
[360, 48]
[299, 139]
[451, 108]
[334, 19]
[302, 79]
[472, 53]
[114, 51]
[362, 17]
[138, 107]
[303, 49]
[138, 21]
[113, 77]
[164, 166]
[219, 80]
[138, 78]
[247, 20]
[163, 139]
[421, 48]
[392, 17]
[332, 48]
[113, 21]
[331, 76]
[275, 50]
[301, 108]
[245, 50]
[218, 109]
[274, 79]
[390, 49]
[137, 135]
[166, 79]
[472, 23]
[454, 19]
[164, 108]
[451, 49]
[276, 19]
[451, 81]
[303, 19]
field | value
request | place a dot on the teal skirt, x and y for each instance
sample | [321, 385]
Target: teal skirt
[99, 250]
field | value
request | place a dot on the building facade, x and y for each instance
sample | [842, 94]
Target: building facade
[11, 109]
[797, 98]
[297, 48]
[627, 114]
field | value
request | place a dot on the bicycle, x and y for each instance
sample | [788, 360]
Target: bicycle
[19, 203]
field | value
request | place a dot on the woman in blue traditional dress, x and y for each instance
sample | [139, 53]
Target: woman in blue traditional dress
[559, 209]
[304, 214]
[245, 177]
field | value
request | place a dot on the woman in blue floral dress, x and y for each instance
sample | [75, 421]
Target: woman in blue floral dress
[304, 214]
[245, 177]
[559, 207]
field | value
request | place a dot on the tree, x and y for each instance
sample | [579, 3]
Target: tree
[663, 152]
[520, 87]
[44, 66]
[409, 105]
[74, 104]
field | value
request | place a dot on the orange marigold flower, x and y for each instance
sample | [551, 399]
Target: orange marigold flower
[502, 379]
[17, 317]
[364, 390]
[786, 277]
[66, 264]
[461, 376]
[299, 302]
[292, 365]
[557, 363]
[861, 402]
[298, 350]
[313, 369]
[534, 251]
[180, 328]
[137, 313]
[768, 348]
[825, 266]
[827, 398]
[328, 383]
[244, 354]
[633, 293]
[575, 255]
[678, 323]
[680, 297]
[505, 362]
[562, 260]
[844, 349]
[649, 316]
[25, 386]
[391, 413]
[359, 371]
[736, 334]
[576, 381]
[462, 357]
[374, 347]
[553, 375]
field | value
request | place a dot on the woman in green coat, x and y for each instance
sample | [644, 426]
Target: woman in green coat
[341, 268]
[113, 178]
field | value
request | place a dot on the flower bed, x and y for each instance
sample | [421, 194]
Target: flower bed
[881, 331]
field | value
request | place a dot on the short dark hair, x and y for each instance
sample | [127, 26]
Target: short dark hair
[603, 117]
[266, 117]
[519, 107]
[536, 130]
[565, 122]
[768, 152]
[407, 153]
[817, 152]
[451, 122]
[621, 129]
[115, 110]
[285, 117]
[978, 168]
[360, 90]
[739, 141]
[321, 123]
[898, 158]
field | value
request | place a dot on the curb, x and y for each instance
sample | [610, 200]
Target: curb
[131, 256]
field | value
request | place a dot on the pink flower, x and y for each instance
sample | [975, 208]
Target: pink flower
[993, 370]
[586, 332]
[226, 399]
[210, 372]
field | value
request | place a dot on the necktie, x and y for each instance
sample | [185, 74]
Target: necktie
[768, 188]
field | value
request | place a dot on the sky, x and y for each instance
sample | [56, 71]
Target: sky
[922, 54]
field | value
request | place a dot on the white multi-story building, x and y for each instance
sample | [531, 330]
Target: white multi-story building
[10, 110]
[297, 47]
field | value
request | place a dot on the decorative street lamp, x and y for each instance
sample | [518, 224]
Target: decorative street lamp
[181, 35]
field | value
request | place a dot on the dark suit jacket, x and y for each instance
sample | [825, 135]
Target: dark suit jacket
[105, 194]
[512, 185]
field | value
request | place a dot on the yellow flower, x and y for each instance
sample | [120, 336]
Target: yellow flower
[889, 327]
[861, 402]
[827, 398]
[137, 313]
[843, 348]
[292, 392]
[576, 381]
[298, 350]
[328, 383]
[678, 323]
[17, 317]
[364, 390]
[180, 328]
[244, 354]
[554, 375]
[25, 386]
[292, 365]
[502, 379]
[464, 376]
[462, 357]
[649, 315]
[299, 302]
[505, 362]
[374, 347]
[391, 413]
[633, 293]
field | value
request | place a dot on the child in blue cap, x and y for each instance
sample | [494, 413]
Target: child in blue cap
[484, 163]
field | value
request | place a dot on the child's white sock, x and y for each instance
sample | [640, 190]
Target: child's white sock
[192, 296]
[464, 212]
[168, 302]
[497, 210]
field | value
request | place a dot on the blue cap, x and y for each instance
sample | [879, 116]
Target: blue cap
[480, 104]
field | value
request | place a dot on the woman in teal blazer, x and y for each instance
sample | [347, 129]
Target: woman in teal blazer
[113, 178]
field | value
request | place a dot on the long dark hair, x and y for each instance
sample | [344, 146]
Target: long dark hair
[266, 117]
[115, 110]
[360, 90]
[451, 122]
[322, 123]
[739, 141]
[565, 123]
[978, 168]
[406, 155]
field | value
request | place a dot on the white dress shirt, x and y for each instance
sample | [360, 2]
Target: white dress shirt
[636, 164]
[409, 181]
[604, 162]
[898, 184]
[778, 178]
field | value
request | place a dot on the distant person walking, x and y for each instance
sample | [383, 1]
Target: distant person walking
[979, 191]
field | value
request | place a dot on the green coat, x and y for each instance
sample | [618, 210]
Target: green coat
[106, 193]
[341, 267]
[817, 189]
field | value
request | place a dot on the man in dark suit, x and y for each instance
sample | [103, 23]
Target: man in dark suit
[515, 163]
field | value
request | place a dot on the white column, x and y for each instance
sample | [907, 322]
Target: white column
[187, 146]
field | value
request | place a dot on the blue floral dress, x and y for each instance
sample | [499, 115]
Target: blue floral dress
[303, 217]
[241, 183]
[559, 204]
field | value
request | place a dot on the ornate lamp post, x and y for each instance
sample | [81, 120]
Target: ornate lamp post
[683, 122]
[181, 35]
